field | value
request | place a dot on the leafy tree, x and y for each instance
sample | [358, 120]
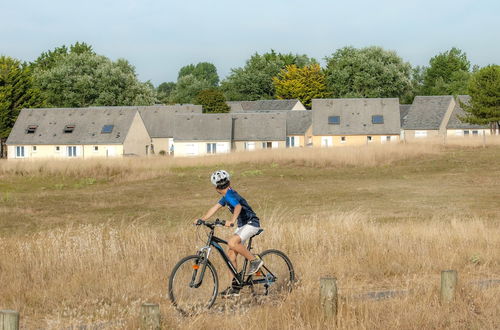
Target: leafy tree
[164, 90]
[417, 81]
[448, 74]
[82, 78]
[49, 59]
[16, 92]
[255, 80]
[201, 71]
[213, 101]
[187, 88]
[303, 83]
[484, 90]
[367, 72]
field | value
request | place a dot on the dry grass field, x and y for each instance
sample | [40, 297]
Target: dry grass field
[85, 243]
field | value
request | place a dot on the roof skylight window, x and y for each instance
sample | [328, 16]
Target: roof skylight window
[69, 128]
[106, 129]
[31, 129]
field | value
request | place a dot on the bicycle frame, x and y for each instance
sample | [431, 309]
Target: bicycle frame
[204, 253]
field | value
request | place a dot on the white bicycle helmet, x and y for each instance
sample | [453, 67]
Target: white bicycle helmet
[219, 178]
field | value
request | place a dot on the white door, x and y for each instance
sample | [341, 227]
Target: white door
[191, 149]
[111, 151]
[274, 145]
[250, 145]
[326, 141]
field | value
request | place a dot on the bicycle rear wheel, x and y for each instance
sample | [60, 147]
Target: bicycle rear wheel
[189, 290]
[275, 277]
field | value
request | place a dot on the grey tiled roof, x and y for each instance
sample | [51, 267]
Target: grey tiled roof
[259, 126]
[403, 112]
[159, 120]
[427, 112]
[88, 124]
[280, 105]
[298, 122]
[356, 116]
[454, 121]
[202, 127]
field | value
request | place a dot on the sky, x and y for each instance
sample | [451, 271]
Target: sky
[159, 37]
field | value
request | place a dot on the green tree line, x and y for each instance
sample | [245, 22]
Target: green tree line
[76, 76]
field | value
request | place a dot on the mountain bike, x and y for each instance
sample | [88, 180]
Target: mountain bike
[194, 284]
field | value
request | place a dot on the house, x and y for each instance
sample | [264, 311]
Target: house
[403, 112]
[159, 121]
[457, 128]
[253, 130]
[266, 105]
[78, 133]
[428, 117]
[338, 122]
[298, 128]
[202, 134]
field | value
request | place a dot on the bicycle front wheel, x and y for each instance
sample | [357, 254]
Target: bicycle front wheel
[276, 276]
[192, 288]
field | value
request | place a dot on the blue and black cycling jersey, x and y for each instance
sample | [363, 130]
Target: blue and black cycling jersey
[247, 215]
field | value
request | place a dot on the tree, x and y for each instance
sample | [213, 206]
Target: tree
[367, 72]
[49, 59]
[164, 91]
[303, 83]
[255, 80]
[201, 71]
[187, 88]
[448, 74]
[484, 90]
[82, 78]
[212, 101]
[16, 92]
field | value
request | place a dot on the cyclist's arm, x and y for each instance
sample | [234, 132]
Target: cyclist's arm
[211, 212]
[236, 213]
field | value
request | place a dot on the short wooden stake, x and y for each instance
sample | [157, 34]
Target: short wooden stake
[448, 285]
[328, 296]
[150, 315]
[9, 320]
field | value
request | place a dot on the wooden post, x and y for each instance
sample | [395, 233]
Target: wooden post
[328, 296]
[9, 320]
[448, 285]
[150, 316]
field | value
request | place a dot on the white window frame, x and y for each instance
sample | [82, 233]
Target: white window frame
[57, 149]
[343, 139]
[20, 152]
[34, 148]
[369, 138]
[96, 149]
[420, 134]
[71, 151]
[211, 148]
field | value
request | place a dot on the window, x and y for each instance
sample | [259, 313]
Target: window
[267, 145]
[31, 129]
[342, 139]
[106, 129]
[69, 128]
[211, 148]
[388, 138]
[71, 151]
[369, 138]
[34, 148]
[420, 134]
[466, 133]
[249, 145]
[58, 149]
[20, 152]
[290, 141]
[377, 119]
[475, 133]
[334, 120]
[96, 148]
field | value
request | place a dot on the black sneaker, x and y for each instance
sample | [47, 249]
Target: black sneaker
[255, 265]
[230, 292]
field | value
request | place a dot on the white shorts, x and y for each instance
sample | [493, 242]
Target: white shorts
[246, 232]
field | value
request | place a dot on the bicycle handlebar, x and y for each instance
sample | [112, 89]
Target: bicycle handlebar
[212, 225]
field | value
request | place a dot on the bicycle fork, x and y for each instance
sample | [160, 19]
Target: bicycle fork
[200, 263]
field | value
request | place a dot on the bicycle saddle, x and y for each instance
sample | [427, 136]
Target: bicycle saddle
[259, 232]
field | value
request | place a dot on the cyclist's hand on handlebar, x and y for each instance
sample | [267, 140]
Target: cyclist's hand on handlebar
[229, 224]
[198, 222]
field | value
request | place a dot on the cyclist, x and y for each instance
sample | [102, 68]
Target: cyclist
[248, 225]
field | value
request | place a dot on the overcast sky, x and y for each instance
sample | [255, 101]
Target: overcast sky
[159, 37]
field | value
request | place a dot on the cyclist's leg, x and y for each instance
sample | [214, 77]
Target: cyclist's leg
[235, 245]
[233, 256]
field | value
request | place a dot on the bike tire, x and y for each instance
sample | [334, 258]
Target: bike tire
[278, 265]
[189, 300]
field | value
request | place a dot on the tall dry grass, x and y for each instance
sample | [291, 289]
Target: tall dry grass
[131, 169]
[99, 275]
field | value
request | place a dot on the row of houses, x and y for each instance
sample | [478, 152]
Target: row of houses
[184, 130]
